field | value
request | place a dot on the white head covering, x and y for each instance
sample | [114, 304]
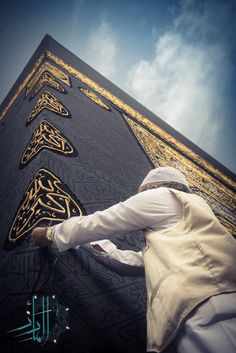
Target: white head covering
[165, 174]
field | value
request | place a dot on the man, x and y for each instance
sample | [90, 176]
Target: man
[189, 261]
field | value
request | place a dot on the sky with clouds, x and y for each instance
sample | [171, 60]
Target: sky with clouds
[176, 57]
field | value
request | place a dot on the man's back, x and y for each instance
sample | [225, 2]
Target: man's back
[185, 264]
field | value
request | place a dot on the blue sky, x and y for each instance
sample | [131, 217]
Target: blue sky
[175, 57]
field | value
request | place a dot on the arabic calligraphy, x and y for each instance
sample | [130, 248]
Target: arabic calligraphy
[46, 320]
[172, 141]
[47, 79]
[176, 144]
[50, 69]
[50, 102]
[22, 85]
[94, 98]
[46, 199]
[49, 137]
[213, 180]
[162, 155]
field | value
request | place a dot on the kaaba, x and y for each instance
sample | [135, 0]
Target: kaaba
[73, 143]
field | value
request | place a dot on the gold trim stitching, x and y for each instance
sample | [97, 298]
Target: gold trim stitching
[177, 145]
[92, 96]
[161, 154]
[22, 86]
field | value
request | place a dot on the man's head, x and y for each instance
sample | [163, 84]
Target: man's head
[164, 176]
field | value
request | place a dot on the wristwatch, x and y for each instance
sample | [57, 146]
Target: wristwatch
[49, 233]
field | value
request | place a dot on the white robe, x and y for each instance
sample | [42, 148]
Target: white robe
[152, 210]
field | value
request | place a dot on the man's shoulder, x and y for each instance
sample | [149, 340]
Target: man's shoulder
[158, 194]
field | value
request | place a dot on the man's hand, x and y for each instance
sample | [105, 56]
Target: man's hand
[98, 247]
[38, 236]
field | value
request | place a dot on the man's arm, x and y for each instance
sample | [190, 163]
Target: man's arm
[140, 211]
[123, 262]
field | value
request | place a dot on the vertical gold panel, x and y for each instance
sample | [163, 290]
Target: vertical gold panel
[221, 198]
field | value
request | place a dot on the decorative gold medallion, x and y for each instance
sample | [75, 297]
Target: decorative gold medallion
[46, 200]
[49, 69]
[50, 102]
[47, 79]
[94, 98]
[49, 137]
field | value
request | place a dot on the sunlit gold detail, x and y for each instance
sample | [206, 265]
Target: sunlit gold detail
[48, 101]
[163, 155]
[47, 79]
[49, 137]
[49, 68]
[171, 140]
[94, 98]
[222, 199]
[228, 225]
[22, 86]
[46, 199]
[179, 146]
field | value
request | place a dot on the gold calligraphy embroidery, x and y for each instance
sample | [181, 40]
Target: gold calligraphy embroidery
[50, 102]
[51, 69]
[161, 155]
[49, 137]
[46, 199]
[128, 110]
[22, 85]
[208, 169]
[47, 79]
[187, 152]
[94, 98]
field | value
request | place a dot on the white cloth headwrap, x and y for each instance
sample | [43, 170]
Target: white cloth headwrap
[165, 174]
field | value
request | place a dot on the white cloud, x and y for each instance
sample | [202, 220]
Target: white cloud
[75, 19]
[183, 83]
[102, 49]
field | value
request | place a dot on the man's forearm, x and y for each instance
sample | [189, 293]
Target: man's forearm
[123, 262]
[118, 219]
[124, 217]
